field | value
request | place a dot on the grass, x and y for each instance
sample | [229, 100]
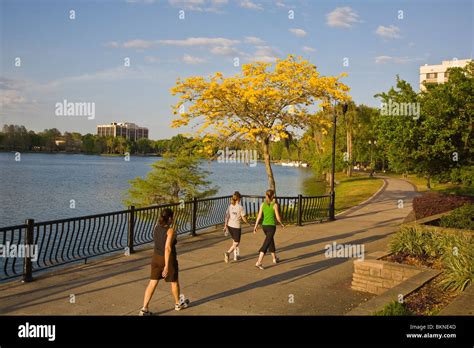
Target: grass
[394, 308]
[420, 184]
[351, 191]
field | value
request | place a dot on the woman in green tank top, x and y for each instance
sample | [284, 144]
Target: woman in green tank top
[270, 212]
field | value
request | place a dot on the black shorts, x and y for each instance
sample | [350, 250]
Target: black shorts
[235, 233]
[158, 264]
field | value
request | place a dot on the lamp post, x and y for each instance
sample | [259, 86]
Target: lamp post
[332, 204]
[371, 143]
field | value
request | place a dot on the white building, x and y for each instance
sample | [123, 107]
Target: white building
[126, 130]
[438, 73]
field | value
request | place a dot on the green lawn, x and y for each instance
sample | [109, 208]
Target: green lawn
[420, 184]
[354, 190]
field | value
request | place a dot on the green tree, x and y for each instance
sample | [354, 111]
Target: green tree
[144, 146]
[88, 143]
[48, 139]
[170, 180]
[440, 139]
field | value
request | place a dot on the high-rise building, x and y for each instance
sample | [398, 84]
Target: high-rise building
[127, 130]
[438, 73]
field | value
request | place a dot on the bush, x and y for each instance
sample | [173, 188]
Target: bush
[462, 217]
[462, 175]
[394, 308]
[454, 249]
[418, 242]
[433, 203]
[459, 264]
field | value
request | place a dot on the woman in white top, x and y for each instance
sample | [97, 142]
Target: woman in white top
[232, 223]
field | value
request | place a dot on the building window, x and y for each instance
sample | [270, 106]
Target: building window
[432, 75]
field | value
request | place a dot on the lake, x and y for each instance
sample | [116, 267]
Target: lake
[41, 186]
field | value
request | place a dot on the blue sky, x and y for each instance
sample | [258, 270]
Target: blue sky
[82, 59]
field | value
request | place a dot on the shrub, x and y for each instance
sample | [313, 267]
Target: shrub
[433, 203]
[459, 264]
[455, 249]
[462, 217]
[394, 308]
[416, 241]
[462, 175]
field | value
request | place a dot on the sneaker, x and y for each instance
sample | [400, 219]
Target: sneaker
[182, 305]
[260, 266]
[143, 313]
[226, 257]
[276, 260]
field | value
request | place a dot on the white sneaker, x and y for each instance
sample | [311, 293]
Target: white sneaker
[182, 305]
[236, 254]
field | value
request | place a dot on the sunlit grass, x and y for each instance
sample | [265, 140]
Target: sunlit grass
[420, 184]
[351, 191]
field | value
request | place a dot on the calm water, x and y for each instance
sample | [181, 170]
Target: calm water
[40, 186]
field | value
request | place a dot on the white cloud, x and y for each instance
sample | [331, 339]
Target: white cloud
[139, 44]
[112, 44]
[281, 4]
[248, 4]
[263, 54]
[391, 32]
[395, 60]
[225, 51]
[308, 49]
[342, 17]
[298, 32]
[253, 40]
[192, 60]
[10, 93]
[200, 41]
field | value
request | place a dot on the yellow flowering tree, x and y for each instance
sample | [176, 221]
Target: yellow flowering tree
[265, 102]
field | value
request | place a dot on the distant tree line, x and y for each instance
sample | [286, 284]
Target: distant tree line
[18, 138]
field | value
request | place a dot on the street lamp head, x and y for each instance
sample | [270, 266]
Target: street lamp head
[344, 108]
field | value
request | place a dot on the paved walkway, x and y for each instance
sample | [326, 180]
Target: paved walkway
[304, 283]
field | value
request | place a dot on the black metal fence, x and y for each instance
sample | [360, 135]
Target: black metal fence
[59, 242]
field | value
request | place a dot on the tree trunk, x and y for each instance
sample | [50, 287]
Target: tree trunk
[349, 151]
[268, 167]
[428, 182]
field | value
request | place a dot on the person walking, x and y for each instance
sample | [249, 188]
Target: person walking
[232, 223]
[164, 262]
[271, 214]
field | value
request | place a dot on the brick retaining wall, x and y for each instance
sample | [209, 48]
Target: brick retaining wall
[377, 276]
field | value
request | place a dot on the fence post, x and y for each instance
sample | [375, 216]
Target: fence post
[194, 218]
[29, 240]
[131, 227]
[332, 202]
[300, 210]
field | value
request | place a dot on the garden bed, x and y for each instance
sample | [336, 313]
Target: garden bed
[432, 203]
[444, 256]
[407, 259]
[430, 299]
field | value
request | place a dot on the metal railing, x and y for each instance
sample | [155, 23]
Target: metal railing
[63, 241]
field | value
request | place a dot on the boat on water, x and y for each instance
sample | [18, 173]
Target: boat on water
[294, 164]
